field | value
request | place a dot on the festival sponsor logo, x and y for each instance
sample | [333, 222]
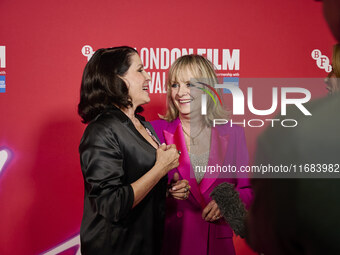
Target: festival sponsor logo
[2, 84]
[2, 67]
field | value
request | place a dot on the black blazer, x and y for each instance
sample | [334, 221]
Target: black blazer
[113, 154]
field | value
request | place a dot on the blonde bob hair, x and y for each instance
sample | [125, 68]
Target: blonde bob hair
[202, 70]
[336, 60]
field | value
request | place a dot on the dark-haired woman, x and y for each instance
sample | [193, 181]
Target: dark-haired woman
[123, 165]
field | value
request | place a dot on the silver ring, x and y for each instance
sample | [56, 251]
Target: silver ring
[185, 195]
[179, 152]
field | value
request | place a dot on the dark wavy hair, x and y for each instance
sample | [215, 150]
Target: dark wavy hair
[101, 85]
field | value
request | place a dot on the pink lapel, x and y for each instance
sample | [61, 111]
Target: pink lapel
[217, 155]
[184, 168]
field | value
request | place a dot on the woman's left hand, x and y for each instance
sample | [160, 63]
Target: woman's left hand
[211, 212]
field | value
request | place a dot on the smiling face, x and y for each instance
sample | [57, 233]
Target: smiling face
[137, 81]
[188, 77]
[185, 96]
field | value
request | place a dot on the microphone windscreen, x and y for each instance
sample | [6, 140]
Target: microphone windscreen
[231, 207]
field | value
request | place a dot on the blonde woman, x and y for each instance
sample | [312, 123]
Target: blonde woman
[194, 224]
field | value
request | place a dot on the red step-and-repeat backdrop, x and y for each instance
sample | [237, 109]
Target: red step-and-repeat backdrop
[44, 46]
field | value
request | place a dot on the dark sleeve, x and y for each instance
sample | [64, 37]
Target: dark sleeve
[102, 166]
[242, 159]
[271, 216]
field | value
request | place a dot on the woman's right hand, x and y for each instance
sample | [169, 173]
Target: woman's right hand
[179, 189]
[167, 157]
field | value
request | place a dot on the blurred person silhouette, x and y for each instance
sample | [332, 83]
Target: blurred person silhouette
[300, 216]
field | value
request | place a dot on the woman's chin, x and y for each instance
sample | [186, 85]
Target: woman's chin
[185, 114]
[189, 111]
[147, 100]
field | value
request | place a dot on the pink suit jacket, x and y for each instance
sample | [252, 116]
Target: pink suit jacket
[186, 232]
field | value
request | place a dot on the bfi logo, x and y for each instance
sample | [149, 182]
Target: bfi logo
[87, 51]
[322, 61]
[2, 56]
